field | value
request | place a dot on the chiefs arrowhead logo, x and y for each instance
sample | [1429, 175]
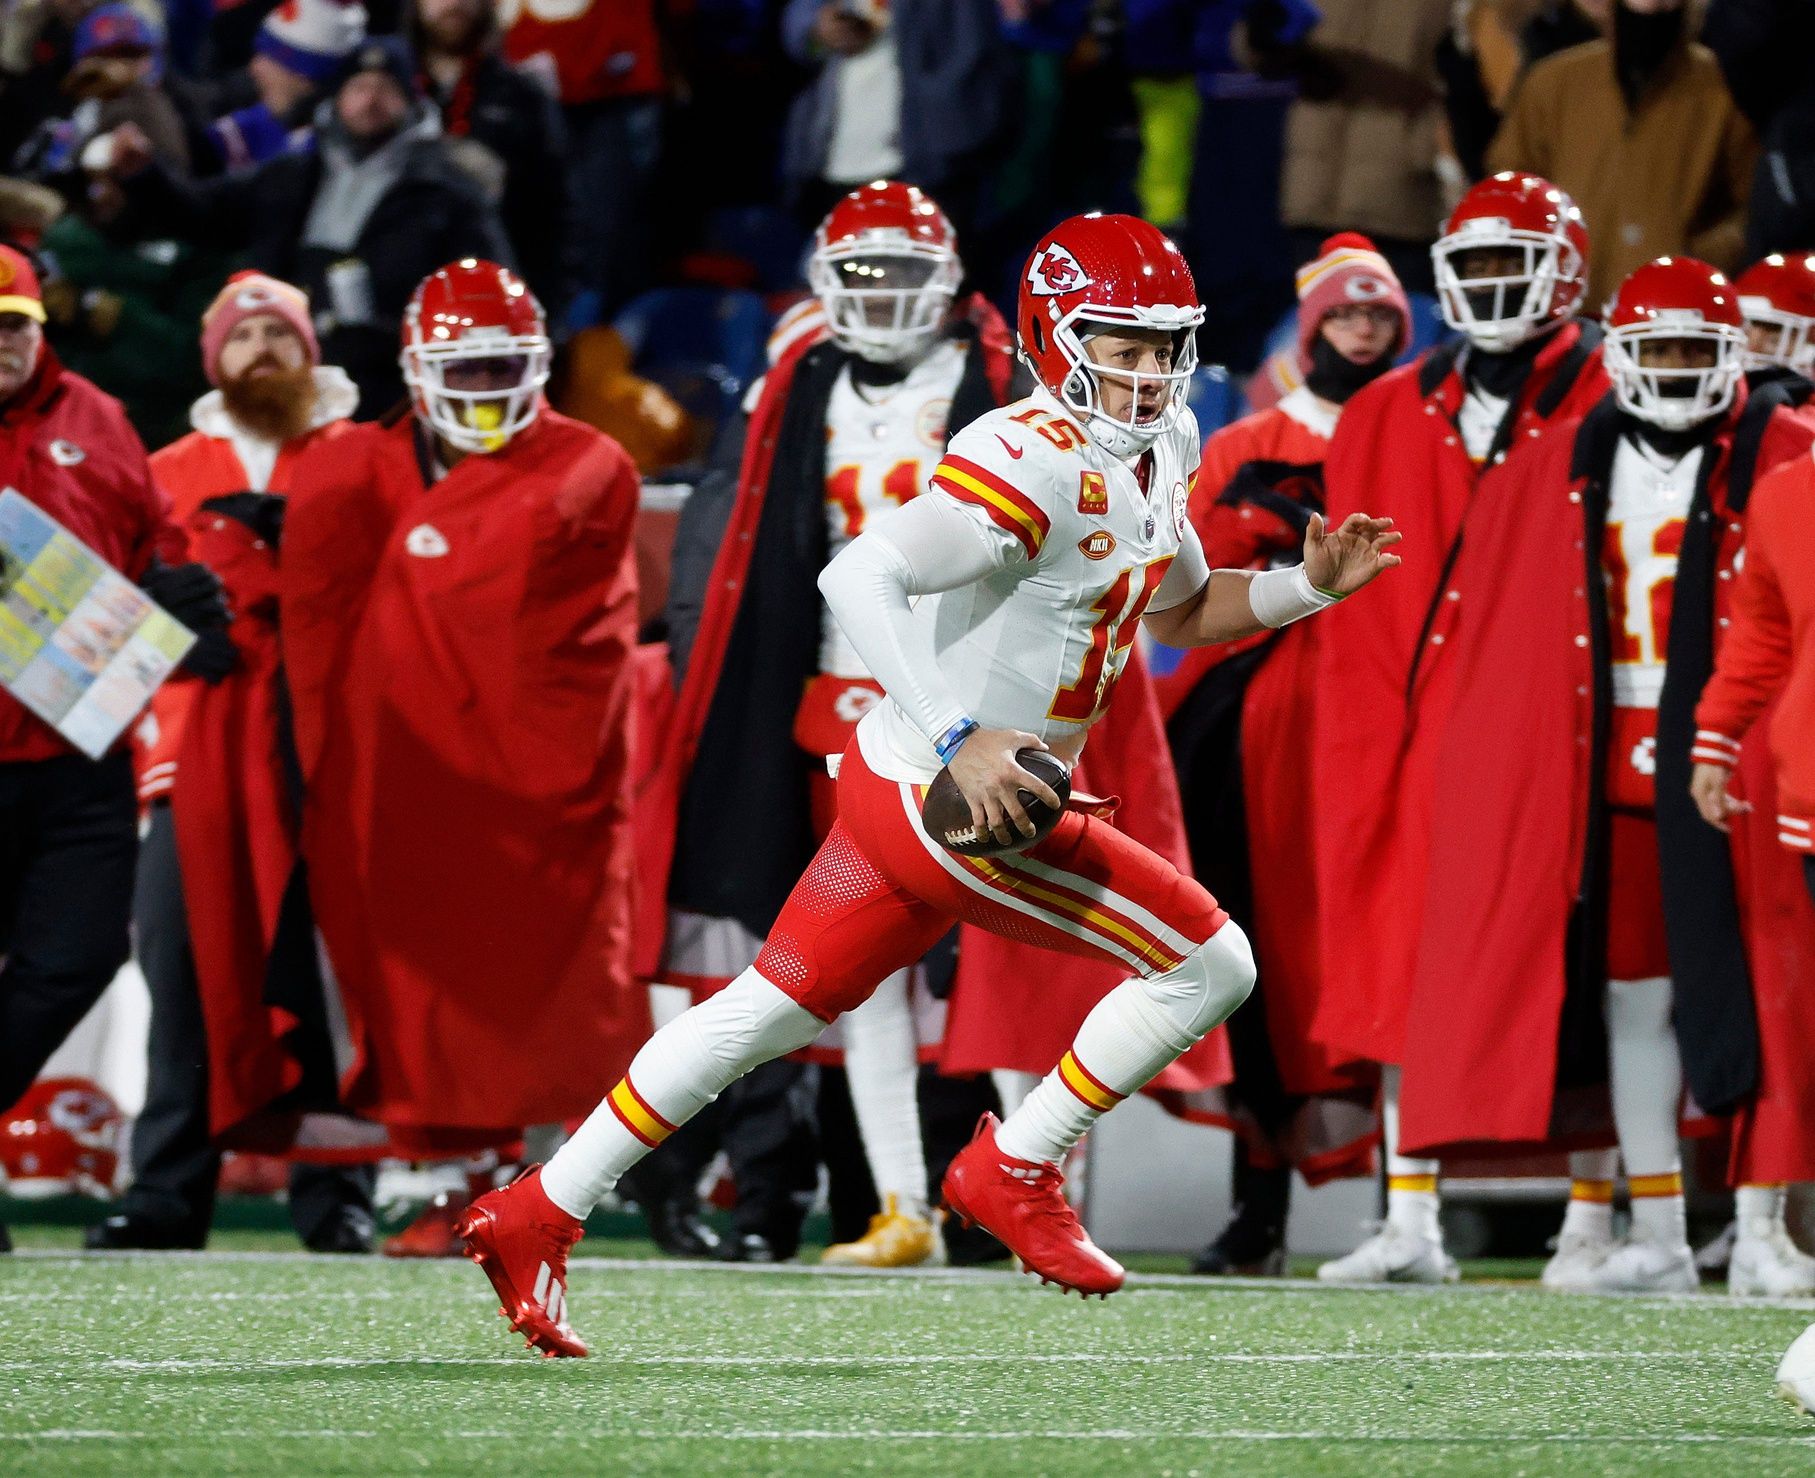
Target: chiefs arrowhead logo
[425, 541]
[1099, 545]
[66, 453]
[1055, 270]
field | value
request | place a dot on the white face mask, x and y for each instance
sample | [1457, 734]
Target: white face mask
[1501, 313]
[481, 420]
[1674, 399]
[886, 300]
[1791, 346]
[1130, 434]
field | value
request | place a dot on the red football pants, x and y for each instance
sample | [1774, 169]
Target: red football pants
[1636, 946]
[880, 892]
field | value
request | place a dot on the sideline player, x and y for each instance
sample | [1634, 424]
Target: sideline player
[1052, 525]
[844, 430]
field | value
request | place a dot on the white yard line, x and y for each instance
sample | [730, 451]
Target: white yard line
[127, 1366]
[812, 1434]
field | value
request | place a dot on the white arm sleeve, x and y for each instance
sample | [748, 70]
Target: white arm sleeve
[929, 545]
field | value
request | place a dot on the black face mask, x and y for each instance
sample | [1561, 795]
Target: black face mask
[1641, 46]
[877, 375]
[1335, 377]
[1672, 443]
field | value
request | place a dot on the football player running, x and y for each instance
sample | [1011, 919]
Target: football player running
[997, 611]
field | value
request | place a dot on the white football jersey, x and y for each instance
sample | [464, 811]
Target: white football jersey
[882, 443]
[1647, 513]
[1083, 549]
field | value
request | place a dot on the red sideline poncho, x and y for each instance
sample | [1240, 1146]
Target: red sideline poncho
[459, 660]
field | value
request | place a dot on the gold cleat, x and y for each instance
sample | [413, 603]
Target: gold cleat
[896, 1239]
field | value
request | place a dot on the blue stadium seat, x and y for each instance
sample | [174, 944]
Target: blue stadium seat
[1215, 398]
[702, 345]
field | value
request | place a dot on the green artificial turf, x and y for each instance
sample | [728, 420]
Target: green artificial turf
[280, 1364]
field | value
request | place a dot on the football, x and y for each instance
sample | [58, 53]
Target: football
[946, 815]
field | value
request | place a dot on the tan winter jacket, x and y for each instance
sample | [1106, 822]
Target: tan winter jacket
[1365, 160]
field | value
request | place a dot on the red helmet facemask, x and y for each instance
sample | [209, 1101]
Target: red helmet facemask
[1511, 214]
[885, 266]
[1777, 300]
[475, 354]
[1094, 275]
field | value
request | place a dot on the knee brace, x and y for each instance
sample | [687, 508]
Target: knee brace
[1205, 988]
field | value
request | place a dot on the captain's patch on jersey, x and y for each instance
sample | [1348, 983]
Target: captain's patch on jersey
[1093, 495]
[1099, 545]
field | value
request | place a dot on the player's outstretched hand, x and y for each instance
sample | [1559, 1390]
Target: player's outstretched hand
[1341, 560]
[1708, 788]
[991, 779]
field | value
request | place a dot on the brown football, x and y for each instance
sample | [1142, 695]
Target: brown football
[946, 815]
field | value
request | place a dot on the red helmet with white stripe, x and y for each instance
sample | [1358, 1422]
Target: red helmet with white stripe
[475, 354]
[885, 265]
[1096, 273]
[1500, 308]
[1777, 299]
[1675, 300]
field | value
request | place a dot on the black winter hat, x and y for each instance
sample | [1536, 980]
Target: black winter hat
[388, 54]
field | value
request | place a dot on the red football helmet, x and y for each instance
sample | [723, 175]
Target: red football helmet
[885, 265]
[1505, 213]
[63, 1136]
[1672, 300]
[478, 320]
[1777, 299]
[1094, 273]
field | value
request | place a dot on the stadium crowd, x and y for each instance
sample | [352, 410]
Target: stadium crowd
[496, 718]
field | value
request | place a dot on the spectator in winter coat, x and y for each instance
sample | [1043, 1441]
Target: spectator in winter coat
[1642, 131]
[299, 50]
[486, 100]
[376, 204]
[1764, 47]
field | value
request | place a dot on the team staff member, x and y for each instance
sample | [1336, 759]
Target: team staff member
[68, 824]
[273, 404]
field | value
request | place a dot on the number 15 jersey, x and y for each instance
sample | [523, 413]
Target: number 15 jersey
[1084, 545]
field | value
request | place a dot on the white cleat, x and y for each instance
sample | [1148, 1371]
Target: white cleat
[1767, 1264]
[1796, 1373]
[1646, 1267]
[1572, 1267]
[1393, 1255]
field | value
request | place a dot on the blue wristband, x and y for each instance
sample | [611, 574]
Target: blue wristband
[954, 736]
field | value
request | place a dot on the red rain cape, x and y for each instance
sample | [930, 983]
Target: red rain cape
[459, 659]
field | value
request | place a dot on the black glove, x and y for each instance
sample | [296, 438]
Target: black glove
[263, 513]
[192, 593]
[213, 656]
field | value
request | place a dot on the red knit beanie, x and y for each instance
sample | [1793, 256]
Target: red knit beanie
[1348, 269]
[246, 295]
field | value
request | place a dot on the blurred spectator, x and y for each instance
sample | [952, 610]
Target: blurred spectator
[123, 308]
[1488, 48]
[115, 76]
[357, 221]
[1362, 143]
[603, 60]
[272, 404]
[299, 51]
[26, 211]
[916, 91]
[484, 98]
[1643, 132]
[69, 824]
[1765, 49]
[35, 39]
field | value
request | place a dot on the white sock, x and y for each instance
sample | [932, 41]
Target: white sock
[882, 1066]
[680, 1070]
[1591, 1177]
[1412, 1202]
[1133, 1032]
[1646, 1074]
[1012, 1087]
[1759, 1207]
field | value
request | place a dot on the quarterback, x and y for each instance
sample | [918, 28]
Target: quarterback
[996, 611]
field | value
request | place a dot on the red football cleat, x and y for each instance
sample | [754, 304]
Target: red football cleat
[1020, 1204]
[520, 1238]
